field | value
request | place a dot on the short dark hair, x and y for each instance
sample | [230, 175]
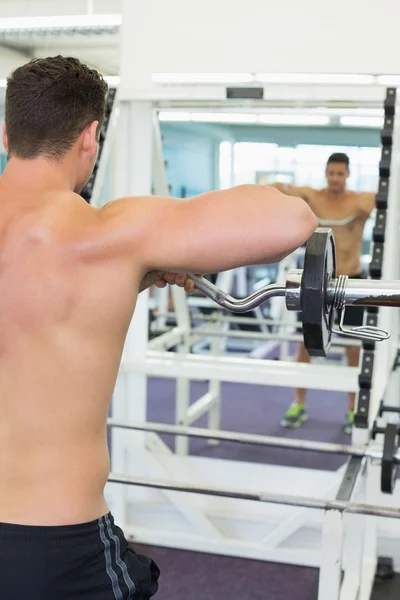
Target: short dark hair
[49, 102]
[339, 157]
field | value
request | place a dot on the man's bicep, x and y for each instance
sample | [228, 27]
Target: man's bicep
[171, 234]
[140, 227]
[218, 230]
[306, 193]
[367, 204]
[293, 190]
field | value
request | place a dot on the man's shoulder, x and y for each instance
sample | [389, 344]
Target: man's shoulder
[362, 195]
[75, 211]
[73, 221]
[316, 194]
[110, 230]
[73, 201]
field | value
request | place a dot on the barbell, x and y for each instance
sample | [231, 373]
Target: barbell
[389, 457]
[342, 506]
[319, 294]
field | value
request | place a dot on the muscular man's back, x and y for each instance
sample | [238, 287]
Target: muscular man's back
[69, 278]
[65, 305]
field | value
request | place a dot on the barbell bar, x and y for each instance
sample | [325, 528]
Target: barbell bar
[319, 294]
[282, 499]
[389, 457]
[250, 438]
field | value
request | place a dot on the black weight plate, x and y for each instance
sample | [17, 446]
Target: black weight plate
[388, 467]
[317, 316]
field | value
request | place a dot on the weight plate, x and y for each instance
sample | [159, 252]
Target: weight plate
[388, 467]
[319, 268]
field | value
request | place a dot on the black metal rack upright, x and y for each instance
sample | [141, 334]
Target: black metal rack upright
[378, 251]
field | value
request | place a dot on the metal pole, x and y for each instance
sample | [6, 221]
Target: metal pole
[257, 335]
[287, 337]
[330, 571]
[366, 293]
[369, 292]
[285, 500]
[251, 438]
[219, 316]
[234, 304]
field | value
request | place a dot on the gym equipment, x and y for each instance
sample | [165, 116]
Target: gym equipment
[389, 457]
[319, 294]
[282, 499]
[390, 466]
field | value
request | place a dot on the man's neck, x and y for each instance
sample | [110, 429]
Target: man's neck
[337, 195]
[38, 174]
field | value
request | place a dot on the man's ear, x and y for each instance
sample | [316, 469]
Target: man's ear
[89, 137]
[5, 138]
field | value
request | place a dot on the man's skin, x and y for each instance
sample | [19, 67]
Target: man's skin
[69, 276]
[336, 203]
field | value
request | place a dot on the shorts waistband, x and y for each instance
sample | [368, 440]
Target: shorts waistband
[54, 531]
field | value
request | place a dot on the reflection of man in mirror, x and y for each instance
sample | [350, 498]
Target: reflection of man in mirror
[346, 213]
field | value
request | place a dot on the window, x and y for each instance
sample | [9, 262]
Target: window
[225, 165]
[300, 165]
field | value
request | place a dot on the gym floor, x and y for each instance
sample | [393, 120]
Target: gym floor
[192, 576]
[259, 409]
[250, 409]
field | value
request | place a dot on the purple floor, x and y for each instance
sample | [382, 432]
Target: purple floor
[250, 409]
[196, 576]
[259, 409]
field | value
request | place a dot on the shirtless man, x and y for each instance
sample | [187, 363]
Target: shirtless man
[345, 212]
[70, 275]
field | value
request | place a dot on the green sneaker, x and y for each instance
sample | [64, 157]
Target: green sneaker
[295, 416]
[348, 428]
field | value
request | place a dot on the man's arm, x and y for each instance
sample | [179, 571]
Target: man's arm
[150, 279]
[366, 204]
[161, 278]
[303, 192]
[213, 232]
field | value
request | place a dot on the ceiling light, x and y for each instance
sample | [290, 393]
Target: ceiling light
[376, 122]
[294, 120]
[315, 78]
[388, 80]
[59, 22]
[182, 78]
[349, 112]
[173, 116]
[223, 118]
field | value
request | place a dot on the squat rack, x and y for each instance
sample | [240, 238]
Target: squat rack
[145, 453]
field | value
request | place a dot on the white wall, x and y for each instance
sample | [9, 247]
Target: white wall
[101, 52]
[26, 8]
[356, 36]
[9, 60]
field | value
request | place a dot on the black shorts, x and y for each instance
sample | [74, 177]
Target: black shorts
[92, 561]
[354, 315]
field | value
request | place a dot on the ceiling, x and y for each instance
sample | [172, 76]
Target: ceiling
[98, 49]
